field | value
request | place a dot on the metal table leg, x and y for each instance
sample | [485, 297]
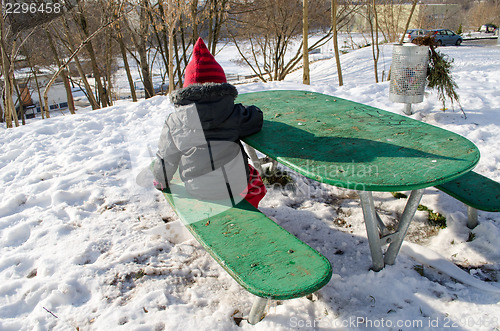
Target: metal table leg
[372, 230]
[377, 233]
[404, 223]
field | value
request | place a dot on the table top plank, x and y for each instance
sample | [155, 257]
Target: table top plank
[352, 145]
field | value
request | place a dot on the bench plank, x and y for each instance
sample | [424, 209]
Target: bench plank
[259, 254]
[474, 190]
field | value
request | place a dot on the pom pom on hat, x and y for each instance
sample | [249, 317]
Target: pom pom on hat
[203, 68]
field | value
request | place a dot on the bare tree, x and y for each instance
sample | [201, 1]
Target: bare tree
[33, 70]
[18, 25]
[483, 12]
[389, 17]
[373, 21]
[11, 43]
[8, 75]
[69, 42]
[176, 26]
[193, 14]
[83, 44]
[172, 11]
[64, 73]
[263, 31]
[412, 10]
[20, 102]
[110, 10]
[123, 52]
[305, 49]
[82, 21]
[217, 15]
[335, 40]
[139, 29]
[269, 27]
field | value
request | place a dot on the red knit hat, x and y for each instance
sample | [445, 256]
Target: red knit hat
[203, 68]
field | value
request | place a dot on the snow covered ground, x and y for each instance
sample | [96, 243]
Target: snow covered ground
[84, 247]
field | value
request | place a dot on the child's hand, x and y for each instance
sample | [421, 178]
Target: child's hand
[158, 186]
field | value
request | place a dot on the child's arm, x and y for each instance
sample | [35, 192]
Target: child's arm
[251, 120]
[167, 159]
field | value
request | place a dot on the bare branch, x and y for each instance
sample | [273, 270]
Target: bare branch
[61, 68]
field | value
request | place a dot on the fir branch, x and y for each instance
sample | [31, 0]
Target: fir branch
[439, 73]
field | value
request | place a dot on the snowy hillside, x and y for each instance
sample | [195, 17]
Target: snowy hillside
[84, 247]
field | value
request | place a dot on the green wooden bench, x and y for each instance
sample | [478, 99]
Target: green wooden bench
[476, 191]
[260, 255]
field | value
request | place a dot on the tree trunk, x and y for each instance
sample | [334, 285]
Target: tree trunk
[39, 93]
[20, 100]
[9, 108]
[141, 49]
[146, 75]
[163, 37]
[185, 48]
[215, 21]
[305, 48]
[408, 21]
[8, 102]
[64, 75]
[12, 81]
[127, 67]
[2, 120]
[159, 32]
[90, 50]
[178, 63]
[374, 35]
[219, 19]
[88, 88]
[69, 93]
[211, 10]
[335, 41]
[33, 71]
[97, 75]
[109, 64]
[406, 28]
[194, 18]
[170, 60]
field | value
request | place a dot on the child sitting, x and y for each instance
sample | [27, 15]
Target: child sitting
[201, 137]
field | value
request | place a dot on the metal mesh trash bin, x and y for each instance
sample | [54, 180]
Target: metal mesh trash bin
[408, 73]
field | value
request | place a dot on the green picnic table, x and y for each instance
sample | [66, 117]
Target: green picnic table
[355, 146]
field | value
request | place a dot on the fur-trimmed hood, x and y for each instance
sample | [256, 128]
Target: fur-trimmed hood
[201, 93]
[201, 139]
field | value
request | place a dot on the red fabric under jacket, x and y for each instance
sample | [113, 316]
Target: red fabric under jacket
[256, 190]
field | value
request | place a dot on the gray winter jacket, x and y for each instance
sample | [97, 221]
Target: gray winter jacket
[201, 139]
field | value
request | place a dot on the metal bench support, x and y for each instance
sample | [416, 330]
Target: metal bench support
[255, 159]
[471, 217]
[476, 191]
[257, 311]
[258, 162]
[377, 232]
